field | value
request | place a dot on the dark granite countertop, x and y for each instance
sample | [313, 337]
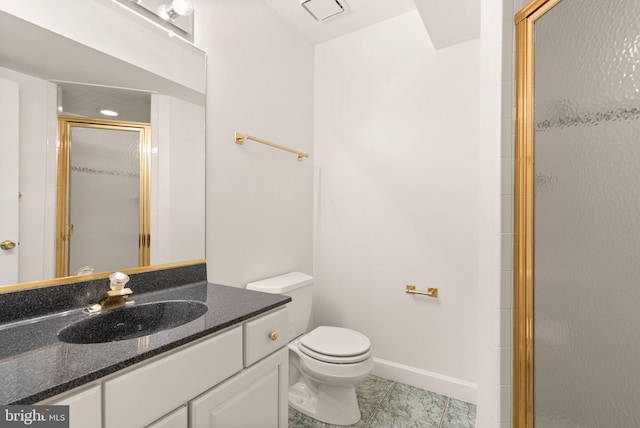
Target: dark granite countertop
[35, 365]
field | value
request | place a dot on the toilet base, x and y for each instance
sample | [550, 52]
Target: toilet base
[335, 405]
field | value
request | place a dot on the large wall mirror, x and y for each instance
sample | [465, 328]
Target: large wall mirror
[46, 74]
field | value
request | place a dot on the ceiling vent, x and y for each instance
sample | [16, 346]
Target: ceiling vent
[323, 10]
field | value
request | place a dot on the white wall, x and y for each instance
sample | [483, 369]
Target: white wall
[396, 136]
[495, 176]
[235, 98]
[177, 182]
[259, 199]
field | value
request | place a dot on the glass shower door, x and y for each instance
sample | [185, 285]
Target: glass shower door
[103, 195]
[586, 215]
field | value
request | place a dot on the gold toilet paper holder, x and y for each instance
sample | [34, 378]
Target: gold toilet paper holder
[431, 292]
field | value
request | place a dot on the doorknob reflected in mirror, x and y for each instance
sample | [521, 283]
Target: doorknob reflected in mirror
[7, 245]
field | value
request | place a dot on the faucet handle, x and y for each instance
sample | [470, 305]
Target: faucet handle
[116, 297]
[118, 280]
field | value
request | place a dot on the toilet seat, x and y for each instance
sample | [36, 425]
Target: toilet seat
[335, 345]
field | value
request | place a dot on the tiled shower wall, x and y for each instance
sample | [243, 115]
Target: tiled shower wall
[496, 174]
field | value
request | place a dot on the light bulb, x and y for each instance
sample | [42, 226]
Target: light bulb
[163, 12]
[182, 7]
[175, 9]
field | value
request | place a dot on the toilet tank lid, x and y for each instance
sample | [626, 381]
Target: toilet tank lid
[281, 284]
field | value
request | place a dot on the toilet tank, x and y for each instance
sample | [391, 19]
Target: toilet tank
[298, 286]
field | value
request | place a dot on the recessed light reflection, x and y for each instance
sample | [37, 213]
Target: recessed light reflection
[107, 112]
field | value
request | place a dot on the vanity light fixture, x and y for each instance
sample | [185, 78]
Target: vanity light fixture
[322, 10]
[170, 12]
[107, 112]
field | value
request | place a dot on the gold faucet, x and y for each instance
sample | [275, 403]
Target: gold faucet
[116, 297]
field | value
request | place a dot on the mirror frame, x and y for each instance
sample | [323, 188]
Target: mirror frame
[70, 279]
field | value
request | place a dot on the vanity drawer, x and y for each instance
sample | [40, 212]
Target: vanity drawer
[265, 335]
[143, 395]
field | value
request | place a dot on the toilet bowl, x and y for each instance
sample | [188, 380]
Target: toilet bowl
[323, 378]
[325, 364]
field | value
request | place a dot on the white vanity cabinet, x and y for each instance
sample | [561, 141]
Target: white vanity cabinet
[85, 407]
[176, 419]
[256, 397]
[147, 393]
[235, 378]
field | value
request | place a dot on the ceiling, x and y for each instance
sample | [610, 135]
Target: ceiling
[358, 14]
[448, 22]
[86, 101]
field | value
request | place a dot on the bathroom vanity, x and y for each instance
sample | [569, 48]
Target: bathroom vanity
[212, 381]
[228, 367]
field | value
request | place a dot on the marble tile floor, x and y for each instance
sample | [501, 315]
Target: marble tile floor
[388, 404]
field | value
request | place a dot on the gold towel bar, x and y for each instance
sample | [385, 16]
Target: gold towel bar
[240, 138]
[431, 292]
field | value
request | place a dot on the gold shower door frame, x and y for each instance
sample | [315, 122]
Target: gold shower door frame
[523, 215]
[63, 227]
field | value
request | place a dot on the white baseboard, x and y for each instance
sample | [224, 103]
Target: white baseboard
[445, 385]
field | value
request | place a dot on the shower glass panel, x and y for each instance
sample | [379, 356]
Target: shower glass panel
[586, 217]
[104, 198]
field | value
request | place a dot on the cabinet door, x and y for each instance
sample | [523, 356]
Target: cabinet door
[177, 419]
[256, 397]
[85, 408]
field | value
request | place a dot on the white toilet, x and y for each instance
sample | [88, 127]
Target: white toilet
[326, 364]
